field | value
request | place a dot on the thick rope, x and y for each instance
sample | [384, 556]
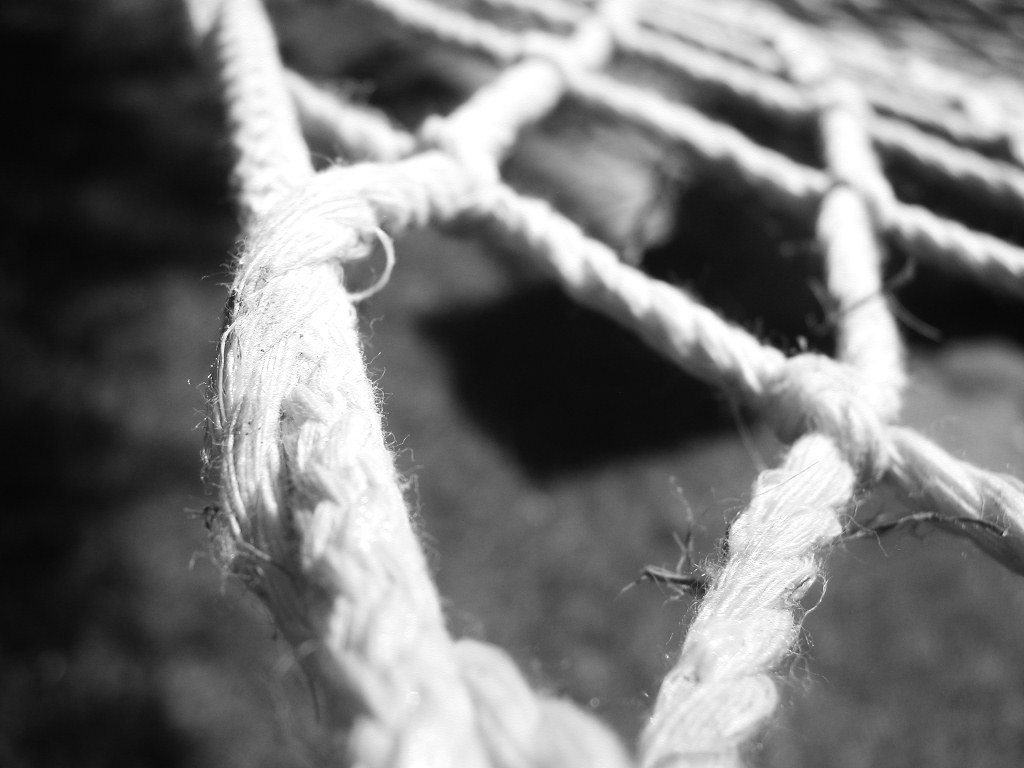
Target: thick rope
[364, 133]
[313, 516]
[312, 511]
[721, 690]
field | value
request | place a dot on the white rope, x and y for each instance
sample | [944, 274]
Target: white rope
[312, 515]
[272, 157]
[720, 692]
[364, 132]
[485, 127]
[931, 97]
[1000, 265]
[721, 58]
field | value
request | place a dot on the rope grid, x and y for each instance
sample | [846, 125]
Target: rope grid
[312, 515]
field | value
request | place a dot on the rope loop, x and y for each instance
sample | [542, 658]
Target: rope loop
[315, 225]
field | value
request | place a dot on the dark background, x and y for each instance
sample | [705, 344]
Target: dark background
[552, 456]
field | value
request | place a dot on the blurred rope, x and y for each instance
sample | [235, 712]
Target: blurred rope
[312, 515]
[999, 264]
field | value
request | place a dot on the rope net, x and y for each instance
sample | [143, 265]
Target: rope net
[312, 515]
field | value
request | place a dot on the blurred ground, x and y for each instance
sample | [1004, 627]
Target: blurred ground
[552, 455]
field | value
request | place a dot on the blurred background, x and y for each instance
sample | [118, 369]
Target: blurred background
[551, 456]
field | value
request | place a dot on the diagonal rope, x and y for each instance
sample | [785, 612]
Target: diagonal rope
[312, 515]
[721, 689]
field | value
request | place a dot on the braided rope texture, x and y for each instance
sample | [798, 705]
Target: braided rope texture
[312, 514]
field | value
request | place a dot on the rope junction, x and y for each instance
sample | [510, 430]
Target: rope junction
[312, 515]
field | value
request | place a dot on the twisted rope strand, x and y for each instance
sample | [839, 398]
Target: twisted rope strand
[722, 688]
[936, 103]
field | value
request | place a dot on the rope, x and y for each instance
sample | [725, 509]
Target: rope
[312, 515]
[721, 689]
[998, 264]
[928, 96]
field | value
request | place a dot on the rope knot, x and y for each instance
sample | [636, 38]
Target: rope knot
[322, 223]
[462, 142]
[558, 52]
[815, 393]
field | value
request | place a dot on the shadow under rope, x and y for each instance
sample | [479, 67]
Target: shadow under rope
[757, 267]
[566, 388]
[952, 303]
[763, 269]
